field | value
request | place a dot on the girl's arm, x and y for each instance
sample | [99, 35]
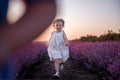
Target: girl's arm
[65, 38]
[50, 37]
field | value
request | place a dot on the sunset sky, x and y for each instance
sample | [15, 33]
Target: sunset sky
[83, 17]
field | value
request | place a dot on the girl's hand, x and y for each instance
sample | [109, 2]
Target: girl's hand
[66, 43]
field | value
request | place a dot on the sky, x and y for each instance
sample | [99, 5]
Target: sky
[82, 17]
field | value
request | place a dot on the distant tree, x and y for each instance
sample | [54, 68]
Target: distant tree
[109, 36]
[75, 40]
[83, 39]
[110, 32]
[116, 37]
[102, 38]
[89, 38]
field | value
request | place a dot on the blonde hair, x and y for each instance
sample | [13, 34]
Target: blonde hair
[59, 20]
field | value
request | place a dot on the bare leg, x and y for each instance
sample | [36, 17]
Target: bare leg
[56, 65]
[60, 62]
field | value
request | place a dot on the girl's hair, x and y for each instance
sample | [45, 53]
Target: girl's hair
[59, 20]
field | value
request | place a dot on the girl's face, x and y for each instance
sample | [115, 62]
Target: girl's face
[58, 26]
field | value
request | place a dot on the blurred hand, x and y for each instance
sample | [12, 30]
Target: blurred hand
[36, 19]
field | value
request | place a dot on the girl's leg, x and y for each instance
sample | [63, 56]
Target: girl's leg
[56, 65]
[61, 63]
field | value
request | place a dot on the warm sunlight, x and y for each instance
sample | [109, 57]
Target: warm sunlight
[85, 18]
[46, 35]
[85, 42]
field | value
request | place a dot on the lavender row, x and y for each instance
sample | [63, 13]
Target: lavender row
[103, 57]
[27, 55]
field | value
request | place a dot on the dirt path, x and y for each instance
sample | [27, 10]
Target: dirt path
[45, 71]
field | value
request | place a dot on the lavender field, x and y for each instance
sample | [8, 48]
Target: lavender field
[98, 60]
[101, 57]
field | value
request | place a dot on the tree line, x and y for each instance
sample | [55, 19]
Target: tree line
[109, 36]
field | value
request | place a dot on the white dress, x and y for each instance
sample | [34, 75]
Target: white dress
[57, 48]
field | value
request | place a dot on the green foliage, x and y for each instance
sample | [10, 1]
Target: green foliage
[89, 38]
[109, 36]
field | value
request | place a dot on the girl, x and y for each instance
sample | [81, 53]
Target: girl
[58, 46]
